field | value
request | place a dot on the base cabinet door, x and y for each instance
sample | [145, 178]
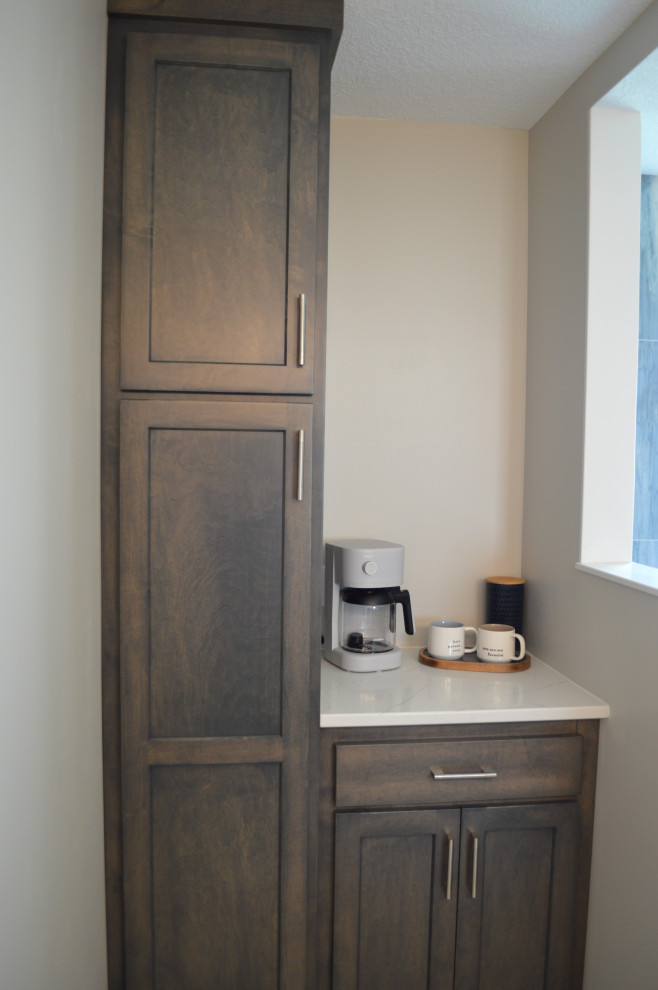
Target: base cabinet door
[516, 897]
[215, 573]
[395, 900]
[472, 898]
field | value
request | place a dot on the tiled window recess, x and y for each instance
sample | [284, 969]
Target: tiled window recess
[645, 523]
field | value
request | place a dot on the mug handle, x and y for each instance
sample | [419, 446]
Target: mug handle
[521, 646]
[471, 649]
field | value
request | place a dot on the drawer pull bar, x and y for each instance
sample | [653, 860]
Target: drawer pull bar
[301, 352]
[482, 773]
[474, 866]
[451, 849]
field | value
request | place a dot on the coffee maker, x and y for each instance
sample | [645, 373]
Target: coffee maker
[362, 588]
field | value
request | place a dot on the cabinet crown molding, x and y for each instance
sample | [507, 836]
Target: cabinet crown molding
[319, 15]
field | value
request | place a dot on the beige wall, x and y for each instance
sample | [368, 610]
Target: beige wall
[426, 352]
[601, 634]
[51, 853]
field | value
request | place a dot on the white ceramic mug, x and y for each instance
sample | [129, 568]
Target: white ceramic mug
[447, 640]
[496, 643]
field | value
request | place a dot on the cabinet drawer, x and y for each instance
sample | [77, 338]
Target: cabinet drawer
[426, 773]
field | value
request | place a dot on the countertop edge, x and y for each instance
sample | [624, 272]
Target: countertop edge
[461, 718]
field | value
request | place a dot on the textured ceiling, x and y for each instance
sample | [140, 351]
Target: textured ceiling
[492, 62]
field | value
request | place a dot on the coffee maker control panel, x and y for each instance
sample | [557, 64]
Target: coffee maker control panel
[367, 563]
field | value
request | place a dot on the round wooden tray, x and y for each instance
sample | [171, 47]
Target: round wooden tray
[481, 666]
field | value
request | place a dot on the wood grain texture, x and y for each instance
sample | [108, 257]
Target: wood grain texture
[516, 907]
[589, 731]
[400, 773]
[110, 515]
[215, 877]
[394, 925]
[216, 560]
[322, 15]
[187, 752]
[530, 912]
[291, 752]
[219, 213]
[219, 129]
[190, 486]
[477, 666]
[517, 931]
[394, 931]
[208, 516]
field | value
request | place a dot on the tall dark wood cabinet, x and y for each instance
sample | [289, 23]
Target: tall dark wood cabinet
[213, 391]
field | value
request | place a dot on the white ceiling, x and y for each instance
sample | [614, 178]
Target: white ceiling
[491, 62]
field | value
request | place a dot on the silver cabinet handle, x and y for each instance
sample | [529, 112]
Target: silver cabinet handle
[301, 352]
[451, 849]
[474, 866]
[482, 773]
[300, 465]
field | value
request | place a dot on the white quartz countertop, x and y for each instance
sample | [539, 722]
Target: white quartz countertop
[415, 694]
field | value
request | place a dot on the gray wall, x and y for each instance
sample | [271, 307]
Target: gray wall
[52, 69]
[602, 634]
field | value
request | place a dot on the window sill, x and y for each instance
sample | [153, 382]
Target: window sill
[632, 575]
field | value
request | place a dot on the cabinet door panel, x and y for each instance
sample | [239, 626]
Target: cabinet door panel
[205, 914]
[394, 922]
[215, 540]
[517, 888]
[215, 579]
[198, 273]
[219, 215]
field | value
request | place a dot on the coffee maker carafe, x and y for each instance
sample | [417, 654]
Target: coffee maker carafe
[362, 589]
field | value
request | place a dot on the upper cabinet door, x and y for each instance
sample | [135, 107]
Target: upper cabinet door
[219, 214]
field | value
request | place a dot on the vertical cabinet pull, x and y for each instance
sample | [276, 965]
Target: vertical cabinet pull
[451, 849]
[301, 351]
[474, 865]
[300, 465]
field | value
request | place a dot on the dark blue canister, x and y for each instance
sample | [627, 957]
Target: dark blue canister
[505, 600]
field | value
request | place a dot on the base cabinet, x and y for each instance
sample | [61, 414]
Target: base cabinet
[479, 898]
[464, 895]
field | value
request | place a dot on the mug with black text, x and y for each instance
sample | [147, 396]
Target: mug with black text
[497, 643]
[447, 639]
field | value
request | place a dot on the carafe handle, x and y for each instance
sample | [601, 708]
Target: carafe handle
[402, 598]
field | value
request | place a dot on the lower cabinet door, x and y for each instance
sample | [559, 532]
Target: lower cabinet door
[517, 883]
[395, 900]
[215, 577]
